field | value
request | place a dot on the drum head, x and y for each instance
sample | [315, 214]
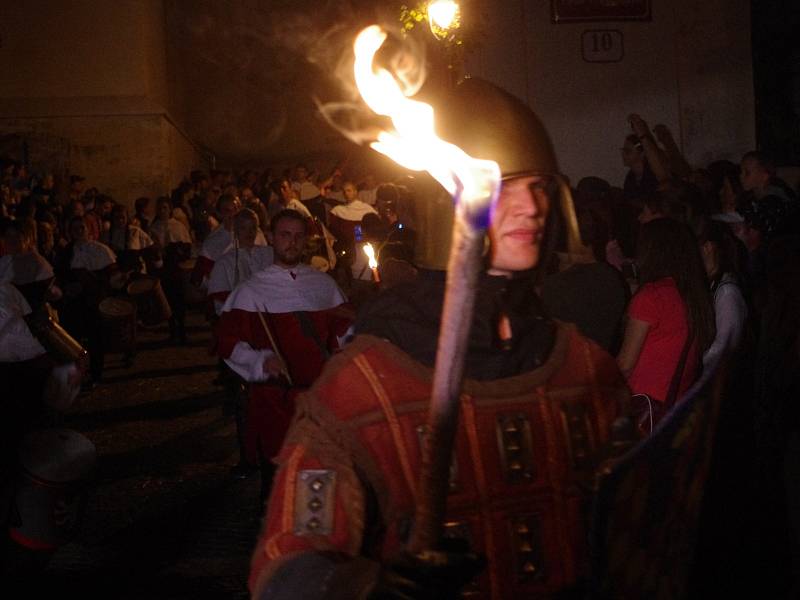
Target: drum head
[320, 263]
[57, 455]
[116, 307]
[142, 285]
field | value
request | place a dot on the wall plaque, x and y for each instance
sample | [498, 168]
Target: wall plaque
[575, 11]
[602, 45]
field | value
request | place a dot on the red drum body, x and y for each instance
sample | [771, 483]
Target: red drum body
[151, 303]
[118, 316]
[55, 465]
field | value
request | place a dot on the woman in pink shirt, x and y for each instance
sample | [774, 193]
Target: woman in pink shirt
[670, 318]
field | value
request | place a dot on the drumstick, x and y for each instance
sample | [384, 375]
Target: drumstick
[284, 368]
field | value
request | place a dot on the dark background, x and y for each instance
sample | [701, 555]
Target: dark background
[776, 77]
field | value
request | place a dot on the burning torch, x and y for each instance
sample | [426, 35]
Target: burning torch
[372, 262]
[474, 185]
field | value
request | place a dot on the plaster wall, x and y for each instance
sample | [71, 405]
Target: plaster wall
[83, 48]
[688, 68]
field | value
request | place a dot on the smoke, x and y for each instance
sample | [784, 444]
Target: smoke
[281, 68]
[401, 56]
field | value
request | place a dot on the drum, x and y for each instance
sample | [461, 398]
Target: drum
[55, 465]
[118, 316]
[193, 294]
[151, 303]
[59, 344]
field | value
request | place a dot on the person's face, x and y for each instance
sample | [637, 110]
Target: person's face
[212, 195]
[77, 231]
[286, 192]
[228, 210]
[246, 234]
[750, 236]
[753, 176]
[631, 154]
[247, 195]
[518, 224]
[106, 207]
[647, 215]
[387, 212]
[120, 219]
[164, 211]
[301, 173]
[78, 210]
[288, 242]
[727, 197]
[349, 191]
[708, 251]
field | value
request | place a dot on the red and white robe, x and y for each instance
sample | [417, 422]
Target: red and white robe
[303, 310]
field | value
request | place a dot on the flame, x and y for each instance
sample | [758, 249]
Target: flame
[443, 13]
[414, 143]
[370, 252]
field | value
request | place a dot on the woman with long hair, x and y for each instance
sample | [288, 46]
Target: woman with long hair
[723, 260]
[670, 319]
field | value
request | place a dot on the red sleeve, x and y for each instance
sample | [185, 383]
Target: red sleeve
[645, 306]
[287, 529]
[341, 318]
[236, 326]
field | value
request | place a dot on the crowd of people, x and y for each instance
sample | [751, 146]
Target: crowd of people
[684, 269]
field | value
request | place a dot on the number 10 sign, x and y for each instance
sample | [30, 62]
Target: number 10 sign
[602, 45]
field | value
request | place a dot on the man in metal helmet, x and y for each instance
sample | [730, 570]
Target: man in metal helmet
[537, 407]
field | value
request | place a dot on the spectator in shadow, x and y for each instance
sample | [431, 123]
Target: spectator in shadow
[591, 294]
[670, 320]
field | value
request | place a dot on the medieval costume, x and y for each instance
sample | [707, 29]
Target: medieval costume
[537, 407]
[537, 417]
[295, 308]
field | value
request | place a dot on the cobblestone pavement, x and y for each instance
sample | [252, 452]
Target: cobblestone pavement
[163, 519]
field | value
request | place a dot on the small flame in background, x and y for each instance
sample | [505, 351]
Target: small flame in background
[414, 143]
[370, 252]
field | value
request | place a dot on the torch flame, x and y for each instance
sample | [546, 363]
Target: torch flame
[414, 143]
[370, 252]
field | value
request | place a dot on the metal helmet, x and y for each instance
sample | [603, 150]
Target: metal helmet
[487, 122]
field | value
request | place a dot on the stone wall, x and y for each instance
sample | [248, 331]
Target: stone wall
[86, 91]
[126, 156]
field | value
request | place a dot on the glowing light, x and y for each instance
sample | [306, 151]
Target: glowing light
[413, 143]
[370, 252]
[443, 14]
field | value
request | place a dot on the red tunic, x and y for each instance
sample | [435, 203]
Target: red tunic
[305, 340]
[525, 458]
